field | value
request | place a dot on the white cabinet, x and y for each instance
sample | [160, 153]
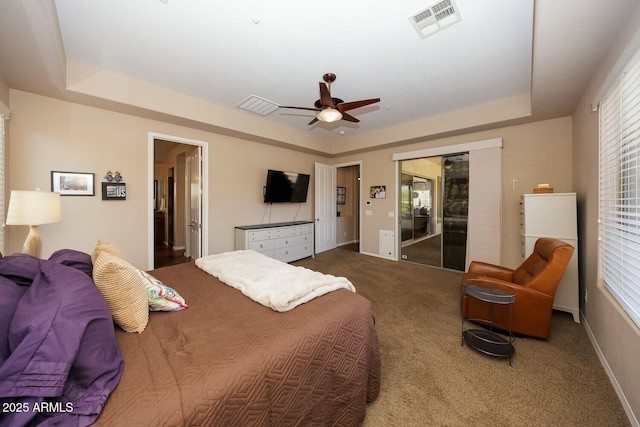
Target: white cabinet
[285, 241]
[554, 215]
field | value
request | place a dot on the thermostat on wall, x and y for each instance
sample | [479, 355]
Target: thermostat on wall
[368, 203]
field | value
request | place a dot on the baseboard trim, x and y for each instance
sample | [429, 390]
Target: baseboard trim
[616, 386]
[378, 256]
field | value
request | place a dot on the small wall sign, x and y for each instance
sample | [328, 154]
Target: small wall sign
[114, 191]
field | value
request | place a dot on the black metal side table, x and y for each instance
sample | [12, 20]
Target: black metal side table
[488, 341]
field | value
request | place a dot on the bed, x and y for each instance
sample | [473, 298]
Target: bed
[227, 360]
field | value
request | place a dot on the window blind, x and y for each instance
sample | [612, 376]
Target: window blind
[484, 231]
[619, 176]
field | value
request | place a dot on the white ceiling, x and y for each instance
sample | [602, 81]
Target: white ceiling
[223, 52]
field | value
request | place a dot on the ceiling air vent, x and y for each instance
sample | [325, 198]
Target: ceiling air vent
[258, 105]
[435, 18]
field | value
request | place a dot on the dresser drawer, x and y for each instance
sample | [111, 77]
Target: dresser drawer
[284, 242]
[286, 254]
[254, 236]
[279, 232]
[305, 250]
[304, 229]
[304, 238]
[261, 246]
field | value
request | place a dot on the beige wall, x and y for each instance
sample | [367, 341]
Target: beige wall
[616, 338]
[533, 153]
[48, 134]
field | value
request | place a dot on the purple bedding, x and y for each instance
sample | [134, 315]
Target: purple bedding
[59, 360]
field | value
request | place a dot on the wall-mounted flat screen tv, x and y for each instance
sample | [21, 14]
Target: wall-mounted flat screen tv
[286, 187]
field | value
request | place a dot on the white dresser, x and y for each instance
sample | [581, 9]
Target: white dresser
[554, 215]
[285, 241]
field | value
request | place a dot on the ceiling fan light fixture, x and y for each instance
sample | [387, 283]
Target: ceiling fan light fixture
[329, 115]
[330, 109]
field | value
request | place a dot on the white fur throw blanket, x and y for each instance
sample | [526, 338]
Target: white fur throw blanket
[270, 282]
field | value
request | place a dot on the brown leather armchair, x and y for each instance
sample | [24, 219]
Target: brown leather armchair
[534, 284]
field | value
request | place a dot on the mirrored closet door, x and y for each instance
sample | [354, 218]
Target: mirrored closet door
[434, 210]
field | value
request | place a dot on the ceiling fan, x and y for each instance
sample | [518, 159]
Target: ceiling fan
[333, 109]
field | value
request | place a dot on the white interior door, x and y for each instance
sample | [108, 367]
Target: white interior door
[194, 194]
[325, 197]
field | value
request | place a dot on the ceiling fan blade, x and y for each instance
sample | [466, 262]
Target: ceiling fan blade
[301, 108]
[325, 96]
[349, 118]
[315, 119]
[346, 106]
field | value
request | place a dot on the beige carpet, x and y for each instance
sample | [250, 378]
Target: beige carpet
[429, 379]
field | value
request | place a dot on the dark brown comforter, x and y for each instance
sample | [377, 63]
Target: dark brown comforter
[228, 361]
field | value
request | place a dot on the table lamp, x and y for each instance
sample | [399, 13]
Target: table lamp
[33, 208]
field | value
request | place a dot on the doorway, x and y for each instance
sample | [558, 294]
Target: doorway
[434, 210]
[171, 238]
[348, 207]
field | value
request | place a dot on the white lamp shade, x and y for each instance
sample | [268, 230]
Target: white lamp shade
[33, 208]
[329, 115]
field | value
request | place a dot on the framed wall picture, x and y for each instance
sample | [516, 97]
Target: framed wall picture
[73, 183]
[378, 192]
[114, 191]
[341, 195]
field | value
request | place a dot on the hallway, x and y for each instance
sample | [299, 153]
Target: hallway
[164, 256]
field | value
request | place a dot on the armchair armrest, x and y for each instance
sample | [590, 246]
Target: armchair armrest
[523, 293]
[478, 268]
